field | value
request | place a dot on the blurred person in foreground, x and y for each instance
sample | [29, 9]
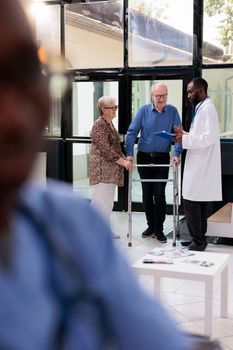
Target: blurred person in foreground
[152, 149]
[202, 170]
[107, 162]
[61, 287]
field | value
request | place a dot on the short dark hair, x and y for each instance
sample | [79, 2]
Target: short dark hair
[200, 83]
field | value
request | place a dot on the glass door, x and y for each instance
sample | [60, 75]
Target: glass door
[84, 113]
[141, 94]
[131, 93]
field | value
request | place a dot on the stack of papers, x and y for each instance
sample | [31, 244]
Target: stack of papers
[171, 253]
[198, 262]
[179, 253]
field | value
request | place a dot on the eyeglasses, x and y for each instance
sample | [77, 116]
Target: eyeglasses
[160, 96]
[112, 108]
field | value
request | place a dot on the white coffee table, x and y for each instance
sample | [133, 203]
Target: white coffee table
[192, 271]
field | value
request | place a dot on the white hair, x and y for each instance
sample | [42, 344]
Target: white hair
[105, 101]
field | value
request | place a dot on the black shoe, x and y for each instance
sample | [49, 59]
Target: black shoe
[198, 247]
[161, 237]
[186, 244]
[148, 232]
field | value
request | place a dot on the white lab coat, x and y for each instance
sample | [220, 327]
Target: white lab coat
[202, 171]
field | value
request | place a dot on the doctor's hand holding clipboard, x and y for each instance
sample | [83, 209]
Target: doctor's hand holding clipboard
[172, 138]
[179, 132]
[165, 135]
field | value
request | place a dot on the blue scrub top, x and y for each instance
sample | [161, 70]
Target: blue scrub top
[31, 309]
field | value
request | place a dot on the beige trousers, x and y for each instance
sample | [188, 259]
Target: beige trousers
[103, 198]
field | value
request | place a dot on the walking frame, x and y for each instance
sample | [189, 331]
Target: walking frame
[174, 179]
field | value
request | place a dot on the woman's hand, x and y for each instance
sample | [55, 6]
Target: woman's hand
[126, 163]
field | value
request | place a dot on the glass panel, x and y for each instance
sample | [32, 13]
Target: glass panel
[221, 92]
[217, 32]
[96, 29]
[141, 94]
[81, 169]
[84, 110]
[46, 22]
[54, 126]
[159, 32]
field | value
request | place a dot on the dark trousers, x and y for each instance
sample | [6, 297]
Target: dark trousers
[196, 218]
[153, 193]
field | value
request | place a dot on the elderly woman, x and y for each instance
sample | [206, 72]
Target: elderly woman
[107, 162]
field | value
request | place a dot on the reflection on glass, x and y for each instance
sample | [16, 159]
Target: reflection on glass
[159, 33]
[96, 29]
[46, 22]
[217, 32]
[220, 90]
[141, 94]
[54, 126]
[84, 110]
[80, 168]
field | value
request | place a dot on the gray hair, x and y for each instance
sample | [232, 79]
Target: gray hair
[105, 101]
[157, 84]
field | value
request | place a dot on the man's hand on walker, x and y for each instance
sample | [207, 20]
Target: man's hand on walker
[176, 160]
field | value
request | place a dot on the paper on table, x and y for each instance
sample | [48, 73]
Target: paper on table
[171, 252]
[165, 134]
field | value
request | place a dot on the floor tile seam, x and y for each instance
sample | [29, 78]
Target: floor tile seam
[202, 319]
[215, 318]
[179, 313]
[201, 329]
[187, 295]
[187, 317]
[180, 286]
[215, 309]
[193, 303]
[225, 337]
[184, 303]
[221, 340]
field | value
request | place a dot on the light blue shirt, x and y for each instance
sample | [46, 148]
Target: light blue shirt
[29, 306]
[148, 121]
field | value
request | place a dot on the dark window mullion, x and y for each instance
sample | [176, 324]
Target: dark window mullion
[197, 36]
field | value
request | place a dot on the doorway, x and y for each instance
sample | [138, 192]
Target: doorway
[131, 92]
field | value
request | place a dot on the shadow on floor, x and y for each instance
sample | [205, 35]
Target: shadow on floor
[185, 236]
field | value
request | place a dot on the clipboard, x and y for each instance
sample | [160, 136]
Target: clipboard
[165, 134]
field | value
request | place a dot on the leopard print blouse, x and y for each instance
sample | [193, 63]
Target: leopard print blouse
[105, 150]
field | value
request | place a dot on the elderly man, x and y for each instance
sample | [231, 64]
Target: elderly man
[152, 149]
[61, 287]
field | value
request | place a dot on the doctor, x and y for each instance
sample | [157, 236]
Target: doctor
[202, 170]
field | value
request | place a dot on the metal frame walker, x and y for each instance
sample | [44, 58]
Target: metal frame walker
[174, 179]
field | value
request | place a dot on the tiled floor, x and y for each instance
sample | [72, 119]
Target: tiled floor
[184, 299]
